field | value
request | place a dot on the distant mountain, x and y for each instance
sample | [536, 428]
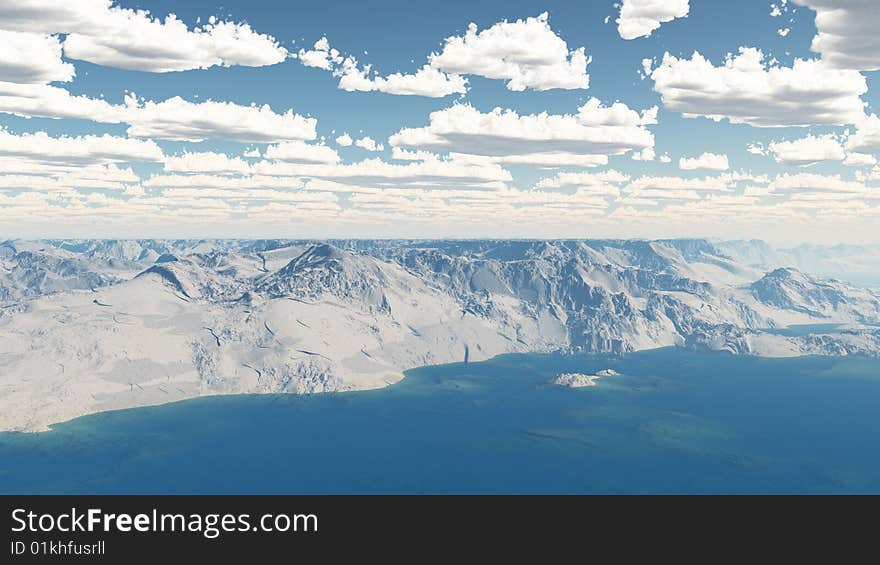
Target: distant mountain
[858, 264]
[87, 326]
[789, 289]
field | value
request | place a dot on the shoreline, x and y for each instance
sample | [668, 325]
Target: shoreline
[593, 357]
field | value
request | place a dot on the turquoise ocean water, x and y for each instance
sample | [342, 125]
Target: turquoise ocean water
[675, 421]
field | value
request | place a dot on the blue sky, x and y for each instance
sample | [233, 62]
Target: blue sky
[781, 148]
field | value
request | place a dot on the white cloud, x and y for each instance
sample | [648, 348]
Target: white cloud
[596, 131]
[301, 152]
[777, 10]
[859, 160]
[783, 32]
[847, 34]
[583, 179]
[526, 53]
[79, 150]
[427, 81]
[176, 118]
[369, 144]
[646, 154]
[407, 155]
[649, 190]
[205, 162]
[757, 149]
[31, 58]
[872, 175]
[100, 32]
[638, 18]
[378, 173]
[206, 169]
[707, 160]
[807, 150]
[748, 91]
[46, 101]
[321, 56]
[106, 176]
[546, 160]
[866, 138]
[804, 183]
[344, 140]
[605, 183]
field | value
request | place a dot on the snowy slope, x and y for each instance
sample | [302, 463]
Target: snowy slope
[87, 326]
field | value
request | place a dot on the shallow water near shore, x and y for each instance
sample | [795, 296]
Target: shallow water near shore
[674, 421]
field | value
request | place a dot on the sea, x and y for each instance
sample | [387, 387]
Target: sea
[673, 421]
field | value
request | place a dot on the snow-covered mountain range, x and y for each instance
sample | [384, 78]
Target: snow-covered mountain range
[87, 326]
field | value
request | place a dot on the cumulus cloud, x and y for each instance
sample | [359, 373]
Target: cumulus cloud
[545, 160]
[344, 140]
[427, 81]
[176, 118]
[406, 155]
[596, 131]
[807, 150]
[583, 179]
[705, 161]
[302, 152]
[78, 150]
[32, 58]
[320, 56]
[369, 144]
[810, 185]
[646, 154]
[748, 90]
[649, 190]
[46, 101]
[866, 138]
[859, 160]
[100, 32]
[638, 18]
[205, 162]
[846, 33]
[526, 53]
[605, 183]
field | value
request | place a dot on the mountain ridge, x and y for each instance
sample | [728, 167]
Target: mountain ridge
[150, 321]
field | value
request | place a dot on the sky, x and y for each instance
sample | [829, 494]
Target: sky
[637, 118]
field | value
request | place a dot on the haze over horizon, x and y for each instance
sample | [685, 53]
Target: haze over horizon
[553, 120]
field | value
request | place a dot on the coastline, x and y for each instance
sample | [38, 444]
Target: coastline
[589, 358]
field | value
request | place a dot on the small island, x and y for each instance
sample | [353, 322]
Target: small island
[578, 380]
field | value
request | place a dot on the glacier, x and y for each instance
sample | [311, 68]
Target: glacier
[95, 325]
